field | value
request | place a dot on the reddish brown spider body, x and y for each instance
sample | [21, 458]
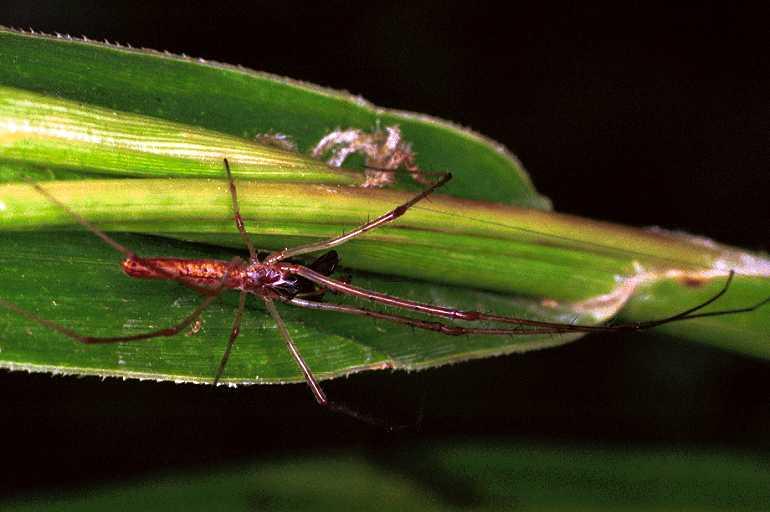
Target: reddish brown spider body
[278, 281]
[256, 278]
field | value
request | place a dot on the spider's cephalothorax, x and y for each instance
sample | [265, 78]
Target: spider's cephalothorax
[289, 286]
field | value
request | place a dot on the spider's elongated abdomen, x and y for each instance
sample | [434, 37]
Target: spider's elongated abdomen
[173, 268]
[264, 280]
[205, 273]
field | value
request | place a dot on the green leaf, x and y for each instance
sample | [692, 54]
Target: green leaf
[55, 138]
[457, 476]
[111, 116]
[243, 103]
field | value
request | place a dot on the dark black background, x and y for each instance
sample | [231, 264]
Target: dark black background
[643, 116]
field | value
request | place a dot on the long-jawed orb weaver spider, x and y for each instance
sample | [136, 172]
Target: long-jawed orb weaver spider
[274, 277]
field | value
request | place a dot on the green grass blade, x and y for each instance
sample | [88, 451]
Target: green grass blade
[170, 121]
[45, 138]
[243, 103]
[73, 277]
[460, 476]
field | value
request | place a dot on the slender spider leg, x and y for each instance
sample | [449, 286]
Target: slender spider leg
[315, 387]
[87, 224]
[456, 330]
[428, 325]
[688, 313]
[236, 329]
[390, 216]
[237, 213]
[475, 316]
[747, 309]
[312, 382]
[92, 340]
[130, 255]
